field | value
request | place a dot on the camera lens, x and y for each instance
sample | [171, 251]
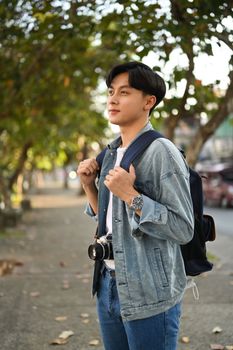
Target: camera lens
[100, 250]
[96, 251]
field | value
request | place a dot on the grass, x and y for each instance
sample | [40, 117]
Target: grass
[213, 258]
[11, 233]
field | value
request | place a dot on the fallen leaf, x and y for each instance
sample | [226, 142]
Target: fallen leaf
[62, 338]
[216, 330]
[63, 264]
[85, 320]
[185, 340]
[66, 334]
[85, 280]
[216, 347]
[61, 318]
[7, 266]
[83, 275]
[59, 341]
[84, 315]
[229, 347]
[94, 342]
[35, 294]
[66, 285]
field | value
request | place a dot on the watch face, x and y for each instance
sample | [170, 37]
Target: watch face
[137, 202]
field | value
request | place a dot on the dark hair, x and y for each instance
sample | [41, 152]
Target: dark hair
[141, 77]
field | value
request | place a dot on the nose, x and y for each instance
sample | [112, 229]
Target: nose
[113, 100]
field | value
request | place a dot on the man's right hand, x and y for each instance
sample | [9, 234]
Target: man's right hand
[87, 171]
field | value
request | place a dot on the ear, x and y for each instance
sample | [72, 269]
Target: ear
[149, 102]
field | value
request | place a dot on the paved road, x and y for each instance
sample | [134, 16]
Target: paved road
[215, 306]
[55, 281]
[223, 219]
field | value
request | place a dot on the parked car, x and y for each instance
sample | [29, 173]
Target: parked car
[218, 184]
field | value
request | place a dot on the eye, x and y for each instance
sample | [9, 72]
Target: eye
[110, 92]
[124, 92]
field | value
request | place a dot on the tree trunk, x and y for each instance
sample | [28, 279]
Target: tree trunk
[172, 121]
[170, 125]
[83, 155]
[5, 193]
[206, 131]
[20, 166]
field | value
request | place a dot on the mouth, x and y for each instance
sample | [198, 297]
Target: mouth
[113, 111]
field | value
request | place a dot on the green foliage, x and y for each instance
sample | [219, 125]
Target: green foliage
[48, 70]
[188, 27]
[10, 233]
[54, 53]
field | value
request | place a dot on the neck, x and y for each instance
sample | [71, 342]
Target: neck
[128, 134]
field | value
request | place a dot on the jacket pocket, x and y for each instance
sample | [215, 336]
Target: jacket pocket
[159, 266]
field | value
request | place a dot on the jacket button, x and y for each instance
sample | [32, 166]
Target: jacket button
[117, 220]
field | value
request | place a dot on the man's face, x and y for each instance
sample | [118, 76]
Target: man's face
[126, 105]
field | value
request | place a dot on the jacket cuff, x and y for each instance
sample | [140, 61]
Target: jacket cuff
[152, 212]
[89, 211]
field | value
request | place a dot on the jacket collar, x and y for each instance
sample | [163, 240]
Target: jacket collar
[117, 142]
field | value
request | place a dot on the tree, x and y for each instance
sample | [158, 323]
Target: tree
[48, 71]
[187, 27]
[54, 54]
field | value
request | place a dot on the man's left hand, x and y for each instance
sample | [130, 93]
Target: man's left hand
[121, 183]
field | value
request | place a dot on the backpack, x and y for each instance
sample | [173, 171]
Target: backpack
[194, 253]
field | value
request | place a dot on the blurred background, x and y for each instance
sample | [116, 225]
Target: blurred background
[54, 56]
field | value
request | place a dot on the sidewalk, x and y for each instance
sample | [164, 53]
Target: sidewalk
[55, 279]
[51, 292]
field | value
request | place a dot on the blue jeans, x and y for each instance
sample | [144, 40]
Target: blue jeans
[159, 332]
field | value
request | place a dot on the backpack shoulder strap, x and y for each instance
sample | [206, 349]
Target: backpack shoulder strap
[138, 147]
[100, 157]
[134, 150]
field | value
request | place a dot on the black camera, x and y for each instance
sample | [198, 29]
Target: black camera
[101, 249]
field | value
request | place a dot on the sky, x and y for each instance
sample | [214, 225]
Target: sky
[215, 67]
[208, 68]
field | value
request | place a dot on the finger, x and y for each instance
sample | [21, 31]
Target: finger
[81, 169]
[96, 164]
[118, 168]
[131, 170]
[87, 170]
[112, 172]
[92, 162]
[89, 166]
[108, 177]
[92, 168]
[106, 183]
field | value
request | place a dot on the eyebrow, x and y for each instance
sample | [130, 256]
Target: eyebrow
[121, 87]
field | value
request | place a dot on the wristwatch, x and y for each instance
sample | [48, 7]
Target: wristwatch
[137, 202]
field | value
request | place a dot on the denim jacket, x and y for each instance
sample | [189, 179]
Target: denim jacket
[150, 271]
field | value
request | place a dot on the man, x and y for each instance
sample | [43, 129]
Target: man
[147, 212]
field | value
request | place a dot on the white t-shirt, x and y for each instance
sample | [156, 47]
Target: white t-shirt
[120, 153]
